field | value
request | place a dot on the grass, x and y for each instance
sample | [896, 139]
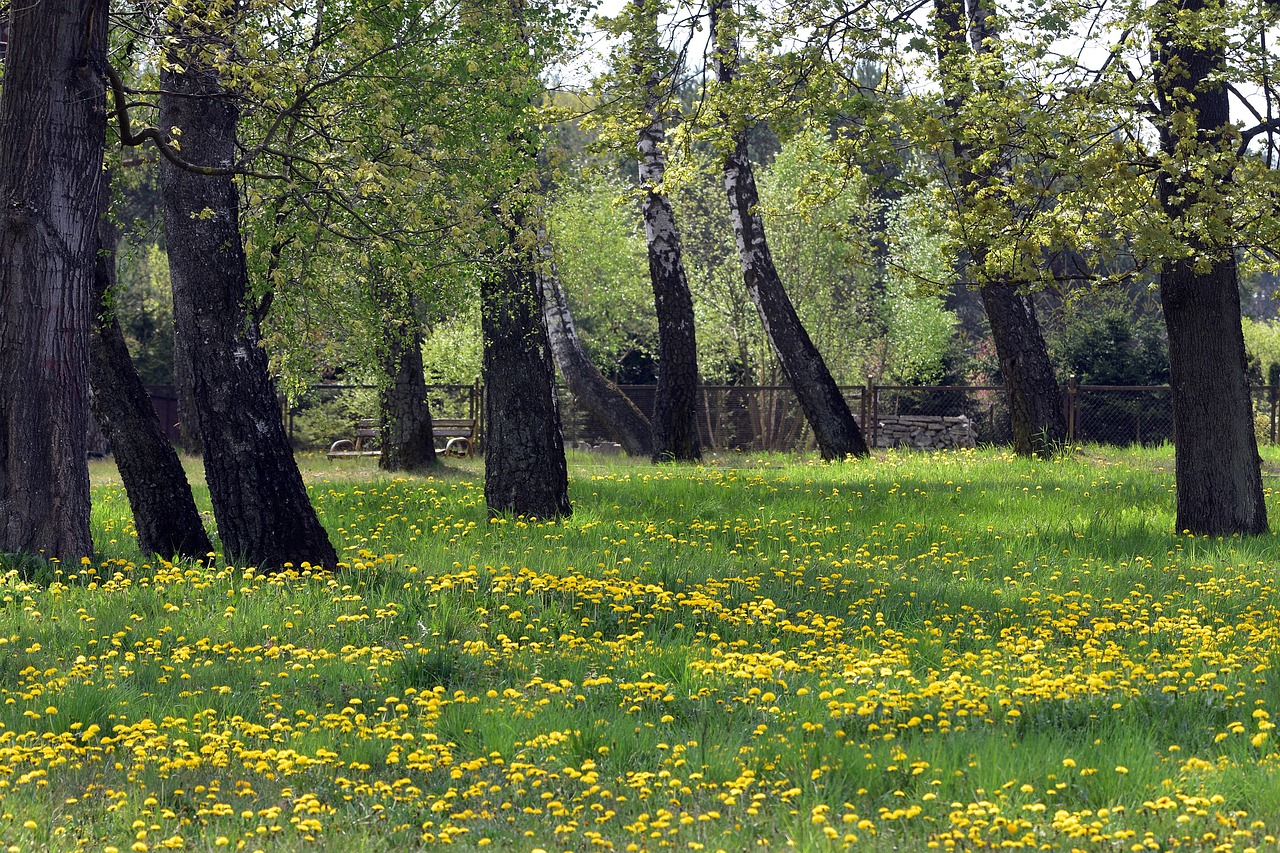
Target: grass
[948, 651]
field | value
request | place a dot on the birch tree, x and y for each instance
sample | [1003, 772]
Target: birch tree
[824, 406]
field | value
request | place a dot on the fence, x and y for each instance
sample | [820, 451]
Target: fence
[769, 418]
[327, 412]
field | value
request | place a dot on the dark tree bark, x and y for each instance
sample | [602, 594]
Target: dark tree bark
[52, 135]
[264, 515]
[824, 406]
[164, 512]
[675, 409]
[1035, 400]
[184, 384]
[626, 424]
[407, 440]
[524, 464]
[1219, 479]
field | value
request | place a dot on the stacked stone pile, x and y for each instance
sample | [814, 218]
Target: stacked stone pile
[925, 432]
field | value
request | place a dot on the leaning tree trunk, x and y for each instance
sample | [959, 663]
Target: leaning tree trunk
[1219, 479]
[824, 406]
[1035, 400]
[52, 135]
[408, 443]
[675, 409]
[264, 515]
[524, 465]
[164, 513]
[626, 424]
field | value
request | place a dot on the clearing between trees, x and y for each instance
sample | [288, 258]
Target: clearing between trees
[956, 650]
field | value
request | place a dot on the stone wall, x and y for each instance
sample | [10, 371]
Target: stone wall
[925, 432]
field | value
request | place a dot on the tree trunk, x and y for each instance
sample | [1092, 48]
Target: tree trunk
[264, 515]
[52, 135]
[1218, 470]
[164, 513]
[675, 409]
[1035, 401]
[408, 443]
[524, 465]
[824, 406]
[184, 385]
[626, 424]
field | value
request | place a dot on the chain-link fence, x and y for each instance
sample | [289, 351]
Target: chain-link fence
[730, 417]
[1119, 414]
[769, 418]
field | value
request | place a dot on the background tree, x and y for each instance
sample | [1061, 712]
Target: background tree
[626, 423]
[675, 421]
[164, 511]
[407, 439]
[970, 70]
[824, 406]
[598, 246]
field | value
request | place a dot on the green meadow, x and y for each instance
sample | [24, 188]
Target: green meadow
[920, 651]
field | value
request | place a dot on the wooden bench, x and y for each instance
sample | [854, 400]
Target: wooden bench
[366, 431]
[459, 436]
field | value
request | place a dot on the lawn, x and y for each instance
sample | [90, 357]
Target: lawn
[948, 651]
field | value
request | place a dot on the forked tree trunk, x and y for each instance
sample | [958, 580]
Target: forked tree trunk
[407, 440]
[675, 409]
[1035, 400]
[164, 513]
[52, 135]
[626, 424]
[524, 464]
[824, 406]
[265, 517]
[1219, 479]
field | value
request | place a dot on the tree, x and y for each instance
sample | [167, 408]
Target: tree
[675, 413]
[824, 406]
[525, 471]
[408, 440]
[1219, 479]
[626, 423]
[969, 67]
[597, 242]
[164, 512]
[264, 514]
[52, 137]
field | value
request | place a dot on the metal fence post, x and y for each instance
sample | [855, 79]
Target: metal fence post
[875, 411]
[1274, 379]
[864, 407]
[1273, 414]
[1071, 409]
[476, 396]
